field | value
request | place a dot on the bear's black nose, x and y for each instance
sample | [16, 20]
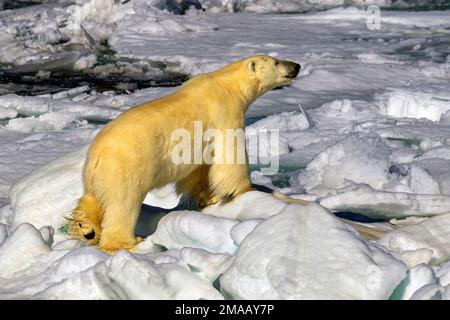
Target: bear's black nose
[294, 69]
[90, 235]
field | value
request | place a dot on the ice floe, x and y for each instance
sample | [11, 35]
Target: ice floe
[385, 204]
[431, 235]
[310, 257]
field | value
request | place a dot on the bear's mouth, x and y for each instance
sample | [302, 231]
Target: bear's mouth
[291, 75]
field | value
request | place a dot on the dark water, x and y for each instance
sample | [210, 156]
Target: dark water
[27, 84]
[251, 120]
[17, 4]
[357, 217]
[422, 6]
[57, 74]
[149, 218]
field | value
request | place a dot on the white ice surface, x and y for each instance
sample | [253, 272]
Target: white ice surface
[61, 189]
[313, 256]
[251, 205]
[429, 292]
[418, 277]
[31, 269]
[432, 234]
[379, 204]
[180, 229]
[402, 104]
[354, 159]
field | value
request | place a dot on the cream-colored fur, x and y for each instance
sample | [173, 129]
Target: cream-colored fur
[132, 154]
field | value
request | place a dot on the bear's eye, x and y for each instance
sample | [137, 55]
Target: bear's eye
[277, 63]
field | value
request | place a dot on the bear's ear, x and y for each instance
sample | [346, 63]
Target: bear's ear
[251, 66]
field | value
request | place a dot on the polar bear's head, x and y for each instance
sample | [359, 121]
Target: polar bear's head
[271, 72]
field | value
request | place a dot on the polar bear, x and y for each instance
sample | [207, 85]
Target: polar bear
[132, 154]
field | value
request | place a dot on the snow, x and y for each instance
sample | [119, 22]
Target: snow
[314, 256]
[87, 273]
[210, 265]
[3, 232]
[443, 273]
[417, 277]
[19, 249]
[251, 205]
[242, 229]
[285, 121]
[401, 104]
[6, 113]
[428, 292]
[180, 229]
[61, 189]
[363, 130]
[163, 198]
[52, 112]
[382, 204]
[354, 159]
[431, 234]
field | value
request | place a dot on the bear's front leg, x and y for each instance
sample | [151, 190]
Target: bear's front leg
[118, 224]
[196, 187]
[229, 180]
[114, 243]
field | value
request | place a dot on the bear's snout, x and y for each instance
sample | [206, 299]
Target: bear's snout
[90, 235]
[292, 69]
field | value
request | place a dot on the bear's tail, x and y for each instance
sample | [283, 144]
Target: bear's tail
[85, 220]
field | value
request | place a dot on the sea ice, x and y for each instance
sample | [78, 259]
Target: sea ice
[61, 109]
[18, 250]
[59, 183]
[250, 205]
[6, 113]
[31, 269]
[180, 229]
[285, 121]
[306, 253]
[432, 234]
[209, 265]
[443, 273]
[414, 105]
[384, 204]
[354, 159]
[416, 278]
[429, 292]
